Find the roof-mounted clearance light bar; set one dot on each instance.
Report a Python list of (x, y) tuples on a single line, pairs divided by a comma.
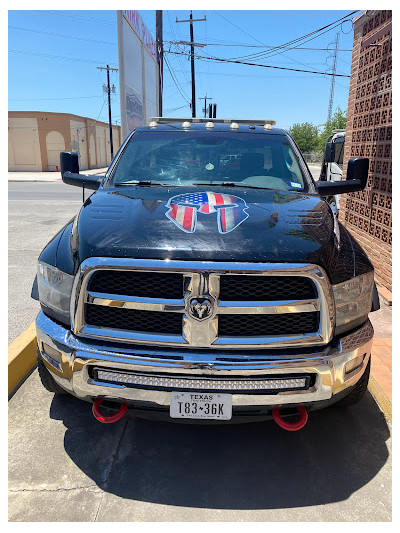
[(209, 122)]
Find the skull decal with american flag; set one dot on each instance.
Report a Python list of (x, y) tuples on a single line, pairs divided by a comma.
[(183, 210)]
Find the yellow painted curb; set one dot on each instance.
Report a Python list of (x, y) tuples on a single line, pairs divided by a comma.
[(21, 356), (382, 400)]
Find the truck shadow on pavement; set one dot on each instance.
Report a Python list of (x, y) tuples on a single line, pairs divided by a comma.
[(247, 466)]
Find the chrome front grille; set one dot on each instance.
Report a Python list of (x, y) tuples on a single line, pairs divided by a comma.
[(202, 304)]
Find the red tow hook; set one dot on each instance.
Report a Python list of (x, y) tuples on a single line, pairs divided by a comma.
[(111, 418), (295, 426)]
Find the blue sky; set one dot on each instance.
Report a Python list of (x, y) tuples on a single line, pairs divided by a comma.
[(53, 68)]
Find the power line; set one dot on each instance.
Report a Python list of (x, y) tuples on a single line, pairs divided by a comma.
[(261, 65), (284, 46), (61, 35), (186, 98), (240, 29), (264, 46), (175, 80), (46, 99), (64, 58), (175, 37), (66, 14)]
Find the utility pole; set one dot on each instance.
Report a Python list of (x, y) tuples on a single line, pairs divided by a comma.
[(160, 58), (333, 77), (205, 98), (108, 91), (191, 20)]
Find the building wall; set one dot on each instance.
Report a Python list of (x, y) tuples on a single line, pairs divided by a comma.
[(368, 214), (35, 140), (23, 144)]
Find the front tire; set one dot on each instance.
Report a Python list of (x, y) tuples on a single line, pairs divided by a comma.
[(360, 388), (46, 378)]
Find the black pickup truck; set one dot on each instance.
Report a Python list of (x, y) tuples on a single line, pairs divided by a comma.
[(197, 286)]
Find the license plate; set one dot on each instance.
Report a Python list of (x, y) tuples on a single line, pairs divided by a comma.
[(201, 405)]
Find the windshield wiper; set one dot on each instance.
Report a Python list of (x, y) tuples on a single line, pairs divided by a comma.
[(233, 184), (144, 183)]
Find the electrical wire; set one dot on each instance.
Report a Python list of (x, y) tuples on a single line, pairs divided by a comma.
[(66, 14), (174, 79), (64, 58), (61, 35), (237, 45), (265, 66), (284, 46), (175, 36), (46, 99)]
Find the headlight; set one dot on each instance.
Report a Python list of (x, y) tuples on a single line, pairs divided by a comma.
[(353, 301), (55, 289)]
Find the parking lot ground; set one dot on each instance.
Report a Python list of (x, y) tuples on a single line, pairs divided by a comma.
[(66, 466)]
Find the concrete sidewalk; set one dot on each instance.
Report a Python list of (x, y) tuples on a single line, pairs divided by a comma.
[(48, 176)]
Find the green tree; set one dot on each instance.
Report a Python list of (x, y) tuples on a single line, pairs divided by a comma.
[(337, 122), (305, 135)]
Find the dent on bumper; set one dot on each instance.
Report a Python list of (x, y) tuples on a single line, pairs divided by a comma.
[(77, 355)]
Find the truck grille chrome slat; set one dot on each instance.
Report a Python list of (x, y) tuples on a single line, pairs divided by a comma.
[(201, 304)]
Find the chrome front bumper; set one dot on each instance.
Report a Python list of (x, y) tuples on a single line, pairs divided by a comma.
[(77, 356)]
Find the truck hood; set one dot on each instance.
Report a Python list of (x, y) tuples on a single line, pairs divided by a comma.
[(221, 224)]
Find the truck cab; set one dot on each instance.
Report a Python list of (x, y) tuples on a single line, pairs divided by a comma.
[(191, 290)]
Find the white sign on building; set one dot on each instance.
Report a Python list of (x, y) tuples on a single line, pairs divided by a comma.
[(138, 79)]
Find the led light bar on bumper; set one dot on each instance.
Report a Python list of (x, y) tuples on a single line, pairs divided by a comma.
[(353, 301), (265, 385)]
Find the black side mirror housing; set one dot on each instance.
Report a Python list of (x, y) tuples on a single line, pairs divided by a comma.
[(329, 154), (70, 172), (356, 180), (69, 162)]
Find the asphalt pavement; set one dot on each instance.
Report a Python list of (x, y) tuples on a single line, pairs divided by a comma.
[(36, 213)]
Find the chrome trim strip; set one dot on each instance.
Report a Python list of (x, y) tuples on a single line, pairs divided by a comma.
[(136, 302), (200, 279), (268, 307), (126, 336)]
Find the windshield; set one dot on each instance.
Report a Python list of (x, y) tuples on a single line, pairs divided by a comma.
[(219, 158)]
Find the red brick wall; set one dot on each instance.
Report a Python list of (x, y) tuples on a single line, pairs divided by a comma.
[(368, 214)]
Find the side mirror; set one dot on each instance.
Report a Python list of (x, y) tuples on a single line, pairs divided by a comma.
[(69, 162), (356, 180), (329, 154), (70, 172), (357, 169)]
